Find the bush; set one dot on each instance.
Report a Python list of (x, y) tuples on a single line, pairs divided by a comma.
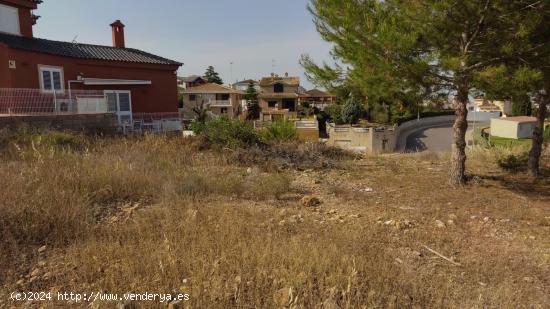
[(380, 114), (280, 130), (513, 162), (225, 132), (334, 112), (352, 111)]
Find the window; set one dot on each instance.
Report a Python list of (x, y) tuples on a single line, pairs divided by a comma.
[(278, 88), (223, 110), (272, 104), (192, 97), (225, 96), (51, 79), (9, 20)]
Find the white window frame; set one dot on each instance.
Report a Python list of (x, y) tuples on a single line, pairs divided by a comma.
[(18, 31), (118, 112), (48, 68)]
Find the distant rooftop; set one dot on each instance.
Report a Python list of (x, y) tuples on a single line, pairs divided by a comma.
[(287, 80), (210, 88)]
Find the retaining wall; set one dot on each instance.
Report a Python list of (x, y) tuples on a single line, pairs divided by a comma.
[(87, 123)]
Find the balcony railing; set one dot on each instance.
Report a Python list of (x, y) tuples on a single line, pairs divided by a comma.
[(35, 102)]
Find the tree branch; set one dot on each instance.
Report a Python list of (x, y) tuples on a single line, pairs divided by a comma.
[(473, 37)]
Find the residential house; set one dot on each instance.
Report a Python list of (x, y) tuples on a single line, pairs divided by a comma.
[(318, 98), (513, 127), (218, 100), (129, 80), (481, 104), (279, 97), (191, 81), (243, 85)]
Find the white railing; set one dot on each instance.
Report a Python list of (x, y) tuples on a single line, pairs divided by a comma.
[(15, 101), (154, 122)]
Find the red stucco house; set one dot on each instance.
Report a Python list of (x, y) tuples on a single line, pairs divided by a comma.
[(146, 81)]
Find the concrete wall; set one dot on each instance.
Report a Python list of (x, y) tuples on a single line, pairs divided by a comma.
[(307, 130), (512, 129), (504, 128), (369, 140), (87, 123), (482, 116)]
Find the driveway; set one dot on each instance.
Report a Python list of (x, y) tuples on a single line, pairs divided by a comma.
[(436, 138)]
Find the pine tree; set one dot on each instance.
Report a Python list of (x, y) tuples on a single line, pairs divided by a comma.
[(414, 48), (252, 104), (521, 105), (212, 76)]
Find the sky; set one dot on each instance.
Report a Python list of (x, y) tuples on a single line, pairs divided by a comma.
[(254, 35)]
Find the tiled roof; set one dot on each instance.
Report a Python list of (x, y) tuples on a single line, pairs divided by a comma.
[(189, 79), (289, 81), (278, 95), (210, 88), (82, 51), (318, 93)]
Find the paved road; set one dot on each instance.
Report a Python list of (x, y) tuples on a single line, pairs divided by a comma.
[(436, 138)]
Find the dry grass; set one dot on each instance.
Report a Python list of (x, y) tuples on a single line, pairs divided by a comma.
[(157, 215)]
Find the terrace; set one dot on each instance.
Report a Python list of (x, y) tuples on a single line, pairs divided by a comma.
[(33, 105)]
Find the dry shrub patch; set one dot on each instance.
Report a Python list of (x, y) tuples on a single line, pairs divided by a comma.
[(156, 214)]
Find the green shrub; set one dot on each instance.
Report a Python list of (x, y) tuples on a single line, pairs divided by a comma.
[(334, 112), (513, 162), (352, 111), (280, 130), (227, 133)]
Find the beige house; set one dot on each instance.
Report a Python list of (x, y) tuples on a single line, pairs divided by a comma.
[(279, 97), (481, 104), (318, 98), (219, 100), (513, 127)]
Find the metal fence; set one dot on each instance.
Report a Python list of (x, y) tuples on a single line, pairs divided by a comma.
[(36, 102)]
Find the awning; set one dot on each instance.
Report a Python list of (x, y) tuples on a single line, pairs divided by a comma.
[(104, 81)]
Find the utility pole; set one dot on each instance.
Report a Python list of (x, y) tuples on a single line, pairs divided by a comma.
[(230, 73)]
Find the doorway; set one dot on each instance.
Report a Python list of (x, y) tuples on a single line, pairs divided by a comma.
[(120, 102)]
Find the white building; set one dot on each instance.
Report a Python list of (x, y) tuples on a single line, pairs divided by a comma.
[(513, 127)]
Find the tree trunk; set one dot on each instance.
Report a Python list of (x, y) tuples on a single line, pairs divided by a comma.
[(538, 135), (458, 152)]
